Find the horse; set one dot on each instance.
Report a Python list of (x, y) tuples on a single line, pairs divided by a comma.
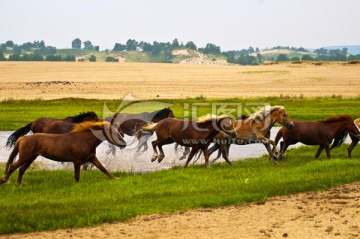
[(41, 124), (196, 134), (253, 129), (319, 133), (77, 146), (130, 124), (342, 136)]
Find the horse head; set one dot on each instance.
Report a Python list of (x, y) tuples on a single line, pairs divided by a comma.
[(226, 125), (162, 114), (281, 116)]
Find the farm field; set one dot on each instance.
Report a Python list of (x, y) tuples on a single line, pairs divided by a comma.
[(51, 80), (30, 90)]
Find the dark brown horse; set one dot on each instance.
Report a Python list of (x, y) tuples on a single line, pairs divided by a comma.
[(319, 133), (253, 129), (41, 125), (130, 124), (196, 134), (77, 146)]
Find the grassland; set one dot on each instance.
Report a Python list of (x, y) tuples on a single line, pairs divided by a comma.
[(17, 113), (49, 200)]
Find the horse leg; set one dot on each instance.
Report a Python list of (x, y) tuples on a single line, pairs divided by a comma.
[(186, 152), (77, 167), (97, 164), (352, 146), (327, 150), (271, 153), (18, 163), (23, 168), (320, 149), (191, 155), (162, 154), (111, 150), (215, 147), (155, 155), (225, 148), (206, 156)]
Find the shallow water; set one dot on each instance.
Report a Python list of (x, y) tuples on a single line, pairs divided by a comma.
[(127, 159)]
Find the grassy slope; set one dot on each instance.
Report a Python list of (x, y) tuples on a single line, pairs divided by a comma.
[(50, 200)]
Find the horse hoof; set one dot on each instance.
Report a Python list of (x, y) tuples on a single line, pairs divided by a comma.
[(154, 158), (160, 159)]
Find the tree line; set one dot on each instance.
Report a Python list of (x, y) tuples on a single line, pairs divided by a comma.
[(250, 56)]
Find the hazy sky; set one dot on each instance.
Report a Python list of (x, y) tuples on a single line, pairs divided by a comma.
[(230, 24)]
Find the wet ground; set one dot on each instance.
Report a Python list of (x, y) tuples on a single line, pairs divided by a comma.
[(128, 160)]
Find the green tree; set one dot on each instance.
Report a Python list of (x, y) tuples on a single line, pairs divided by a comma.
[(92, 58), (76, 44), (88, 45), (131, 45), (119, 47), (111, 59), (307, 58), (175, 43), (211, 49), (191, 45), (9, 43), (2, 57), (282, 57)]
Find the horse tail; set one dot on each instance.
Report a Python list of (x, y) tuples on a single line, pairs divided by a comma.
[(338, 140), (12, 155), (17, 134), (148, 128), (279, 135)]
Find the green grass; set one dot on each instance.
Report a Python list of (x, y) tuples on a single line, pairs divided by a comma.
[(17, 113), (49, 200)]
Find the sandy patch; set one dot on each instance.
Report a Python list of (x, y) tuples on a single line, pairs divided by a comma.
[(329, 214)]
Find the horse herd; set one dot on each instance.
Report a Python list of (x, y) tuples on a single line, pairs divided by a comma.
[(74, 139)]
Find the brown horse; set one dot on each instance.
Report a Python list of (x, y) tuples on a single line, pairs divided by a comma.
[(253, 129), (341, 138), (196, 134), (42, 124), (130, 124), (319, 133), (77, 146)]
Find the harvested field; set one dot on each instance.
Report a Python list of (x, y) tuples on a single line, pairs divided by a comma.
[(52, 80)]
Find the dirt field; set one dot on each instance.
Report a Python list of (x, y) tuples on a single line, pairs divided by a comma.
[(49, 80), (330, 214)]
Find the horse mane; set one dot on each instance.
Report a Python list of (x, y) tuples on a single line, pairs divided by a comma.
[(265, 111), (79, 118), (242, 117), (210, 117), (337, 118), (89, 125), (163, 113)]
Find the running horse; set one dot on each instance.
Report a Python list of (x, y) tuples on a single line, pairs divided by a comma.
[(319, 133), (253, 129), (77, 146), (130, 124), (196, 134), (42, 125), (342, 136)]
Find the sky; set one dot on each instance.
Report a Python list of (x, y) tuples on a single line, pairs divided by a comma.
[(230, 24)]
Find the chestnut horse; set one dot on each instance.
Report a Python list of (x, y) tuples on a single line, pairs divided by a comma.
[(130, 124), (253, 129), (41, 124), (341, 138), (319, 133), (77, 146), (196, 134)]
